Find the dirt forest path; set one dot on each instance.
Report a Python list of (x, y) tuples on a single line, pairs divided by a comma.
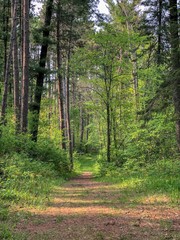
[(83, 209)]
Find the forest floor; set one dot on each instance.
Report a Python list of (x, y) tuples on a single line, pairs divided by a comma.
[(86, 209)]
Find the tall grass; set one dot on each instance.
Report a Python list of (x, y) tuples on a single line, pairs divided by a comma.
[(26, 181), (158, 178), (85, 163)]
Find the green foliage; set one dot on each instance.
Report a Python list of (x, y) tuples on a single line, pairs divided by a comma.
[(4, 213), (86, 163), (28, 170), (45, 150), (160, 177), (5, 232), (26, 180)]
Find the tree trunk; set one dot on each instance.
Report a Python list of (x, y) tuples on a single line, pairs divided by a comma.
[(60, 82), (40, 75), (108, 130), (7, 71), (87, 131), (16, 72), (25, 67), (175, 64), (68, 121), (81, 127), (6, 6), (68, 115), (135, 76), (159, 58)]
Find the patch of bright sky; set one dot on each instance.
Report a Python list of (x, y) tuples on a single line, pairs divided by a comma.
[(103, 7)]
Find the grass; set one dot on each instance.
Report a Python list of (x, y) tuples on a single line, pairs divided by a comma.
[(25, 182), (31, 183), (86, 163), (155, 183)]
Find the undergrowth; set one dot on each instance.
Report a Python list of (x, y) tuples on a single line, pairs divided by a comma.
[(139, 180), (86, 163), (28, 173), (26, 181)]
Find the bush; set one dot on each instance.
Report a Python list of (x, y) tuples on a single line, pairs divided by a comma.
[(44, 150), (161, 176), (26, 180)]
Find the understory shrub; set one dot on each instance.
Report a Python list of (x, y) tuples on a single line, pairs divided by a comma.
[(44, 150), (26, 180), (158, 177)]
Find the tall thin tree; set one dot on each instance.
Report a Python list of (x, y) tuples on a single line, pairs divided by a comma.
[(60, 80), (25, 67), (175, 63), (41, 71), (16, 70), (7, 70)]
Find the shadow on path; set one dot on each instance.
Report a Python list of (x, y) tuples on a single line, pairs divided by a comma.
[(85, 209)]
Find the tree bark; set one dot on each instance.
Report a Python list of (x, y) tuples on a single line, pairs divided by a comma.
[(25, 67), (87, 131), (60, 82), (7, 71), (68, 121), (81, 127), (159, 58), (40, 75), (68, 116), (108, 83), (6, 16), (108, 130), (16, 72), (175, 64)]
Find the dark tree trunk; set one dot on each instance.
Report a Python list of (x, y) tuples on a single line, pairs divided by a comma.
[(6, 16), (108, 84), (68, 120), (108, 130), (175, 64), (7, 71), (159, 58), (16, 72), (81, 128), (40, 75), (25, 67), (60, 82), (87, 131)]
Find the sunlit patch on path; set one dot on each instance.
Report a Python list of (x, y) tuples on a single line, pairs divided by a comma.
[(86, 209)]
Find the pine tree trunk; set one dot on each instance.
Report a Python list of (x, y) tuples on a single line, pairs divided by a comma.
[(7, 71), (81, 127), (108, 131), (68, 120), (68, 115), (25, 67), (6, 16), (175, 64), (60, 82), (40, 76), (16, 72), (87, 131), (159, 58)]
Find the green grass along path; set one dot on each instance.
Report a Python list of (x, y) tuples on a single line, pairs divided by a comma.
[(87, 208)]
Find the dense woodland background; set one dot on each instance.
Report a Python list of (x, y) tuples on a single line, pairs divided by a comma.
[(75, 82)]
